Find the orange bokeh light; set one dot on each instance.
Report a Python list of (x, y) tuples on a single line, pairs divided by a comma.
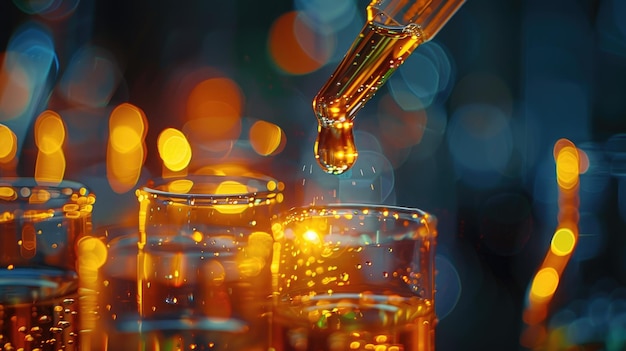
[(544, 283), (174, 149), (127, 127), (8, 144), (126, 147), (216, 98), (213, 114), (234, 188), (563, 242), (49, 138), (547, 278), (285, 48), (267, 138), (567, 167)]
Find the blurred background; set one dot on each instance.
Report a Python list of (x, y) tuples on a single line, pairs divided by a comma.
[(113, 93)]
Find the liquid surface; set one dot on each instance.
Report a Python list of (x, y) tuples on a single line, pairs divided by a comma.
[(376, 53)]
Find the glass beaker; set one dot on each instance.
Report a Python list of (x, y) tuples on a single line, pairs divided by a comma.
[(354, 277), (41, 225), (204, 260)]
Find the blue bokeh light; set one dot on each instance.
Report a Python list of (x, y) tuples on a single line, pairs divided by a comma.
[(480, 142)]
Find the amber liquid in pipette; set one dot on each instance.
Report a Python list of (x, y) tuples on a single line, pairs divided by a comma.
[(377, 52)]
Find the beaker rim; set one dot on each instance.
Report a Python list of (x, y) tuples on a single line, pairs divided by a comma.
[(16, 189), (360, 208), (203, 186)]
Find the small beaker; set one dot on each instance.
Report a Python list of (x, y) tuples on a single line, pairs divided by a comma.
[(41, 225), (354, 277), (203, 265)]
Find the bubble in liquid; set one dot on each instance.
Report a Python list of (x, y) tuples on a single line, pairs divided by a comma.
[(171, 300)]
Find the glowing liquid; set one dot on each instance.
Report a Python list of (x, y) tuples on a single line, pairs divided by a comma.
[(347, 324), (39, 307), (377, 52), (216, 288), (48, 325), (352, 298)]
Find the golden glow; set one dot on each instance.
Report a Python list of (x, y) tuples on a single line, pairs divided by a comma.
[(132, 119), (266, 138), (92, 253), (126, 147), (50, 168), (127, 128), (7, 193), (563, 242), (174, 149), (49, 138), (39, 197), (231, 187), (277, 232), (545, 283), (8, 144), (311, 236), (49, 132), (250, 266), (124, 138), (259, 245), (567, 167), (180, 186), (275, 265), (123, 170), (569, 162), (197, 236), (381, 339)]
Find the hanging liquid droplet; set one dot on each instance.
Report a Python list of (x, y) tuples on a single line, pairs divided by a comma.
[(335, 150), (374, 56)]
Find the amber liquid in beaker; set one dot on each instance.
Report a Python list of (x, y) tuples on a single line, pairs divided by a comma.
[(377, 52)]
